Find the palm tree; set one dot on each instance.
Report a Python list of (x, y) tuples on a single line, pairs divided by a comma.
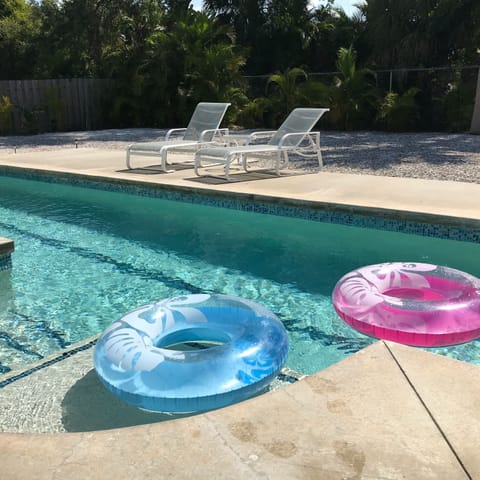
[(286, 90), (353, 96), (211, 60), (197, 60)]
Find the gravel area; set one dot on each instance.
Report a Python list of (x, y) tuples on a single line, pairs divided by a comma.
[(440, 156)]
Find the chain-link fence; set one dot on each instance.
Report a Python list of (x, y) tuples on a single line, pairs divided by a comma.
[(411, 98)]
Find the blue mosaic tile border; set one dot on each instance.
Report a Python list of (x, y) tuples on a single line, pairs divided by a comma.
[(5, 262), (404, 222), (61, 356)]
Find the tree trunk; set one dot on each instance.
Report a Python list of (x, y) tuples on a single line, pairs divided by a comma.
[(475, 127)]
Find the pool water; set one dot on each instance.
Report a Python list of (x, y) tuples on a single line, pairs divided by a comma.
[(84, 257)]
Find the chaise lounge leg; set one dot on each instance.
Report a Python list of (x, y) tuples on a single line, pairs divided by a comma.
[(228, 160), (197, 165), (163, 154), (319, 151), (129, 166)]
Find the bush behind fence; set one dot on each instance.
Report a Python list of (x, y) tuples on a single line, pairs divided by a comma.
[(441, 98), (445, 100)]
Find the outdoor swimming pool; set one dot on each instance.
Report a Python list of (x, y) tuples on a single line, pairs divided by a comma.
[(84, 257)]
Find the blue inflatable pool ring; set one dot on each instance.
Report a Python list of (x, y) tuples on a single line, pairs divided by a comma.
[(139, 358)]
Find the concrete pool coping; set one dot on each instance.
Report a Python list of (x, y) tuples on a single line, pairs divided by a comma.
[(389, 411)]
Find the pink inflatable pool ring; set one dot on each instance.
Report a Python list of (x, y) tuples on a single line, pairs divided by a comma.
[(412, 303)]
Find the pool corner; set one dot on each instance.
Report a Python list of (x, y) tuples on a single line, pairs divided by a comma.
[(7, 247)]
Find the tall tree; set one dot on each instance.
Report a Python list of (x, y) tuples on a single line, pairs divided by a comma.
[(275, 32), (19, 27), (331, 29), (428, 32), (78, 36), (195, 59), (287, 33), (248, 19)]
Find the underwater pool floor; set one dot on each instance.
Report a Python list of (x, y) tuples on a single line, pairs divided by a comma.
[(388, 411), (62, 393)]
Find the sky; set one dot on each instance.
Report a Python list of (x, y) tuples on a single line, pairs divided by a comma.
[(347, 5)]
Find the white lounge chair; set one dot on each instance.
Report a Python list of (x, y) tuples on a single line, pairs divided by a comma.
[(201, 130), (293, 136)]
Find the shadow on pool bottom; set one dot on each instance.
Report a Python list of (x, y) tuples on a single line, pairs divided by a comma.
[(88, 406)]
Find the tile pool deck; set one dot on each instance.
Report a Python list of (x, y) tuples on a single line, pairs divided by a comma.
[(387, 412)]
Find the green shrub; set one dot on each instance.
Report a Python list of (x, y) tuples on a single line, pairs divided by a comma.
[(399, 112), (458, 107), (54, 108), (6, 112)]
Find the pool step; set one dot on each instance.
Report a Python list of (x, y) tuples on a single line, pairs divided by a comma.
[(6, 249), (24, 340)]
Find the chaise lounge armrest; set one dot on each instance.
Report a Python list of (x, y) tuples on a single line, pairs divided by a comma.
[(315, 136), (208, 135), (175, 131)]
